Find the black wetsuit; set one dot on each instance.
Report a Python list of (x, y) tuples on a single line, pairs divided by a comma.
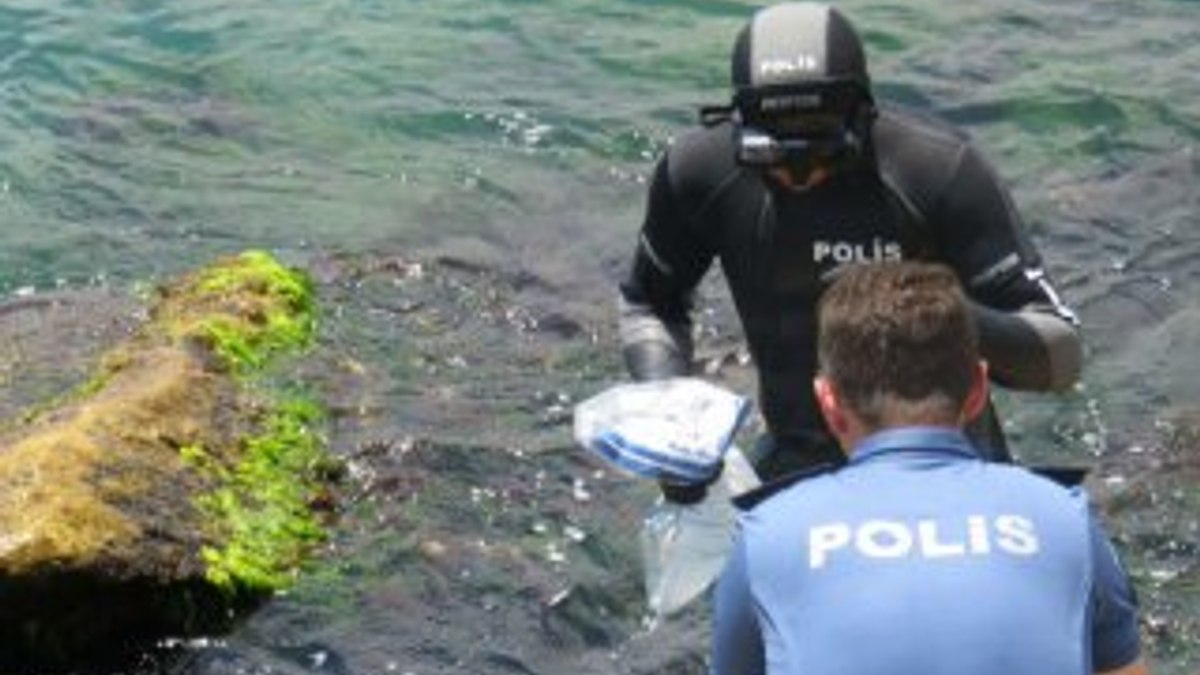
[(922, 191)]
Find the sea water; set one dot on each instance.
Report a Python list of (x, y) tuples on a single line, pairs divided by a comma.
[(513, 138)]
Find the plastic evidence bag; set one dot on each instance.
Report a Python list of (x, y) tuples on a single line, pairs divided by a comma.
[(677, 430), (684, 546)]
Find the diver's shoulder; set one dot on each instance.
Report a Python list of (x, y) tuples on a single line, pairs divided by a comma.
[(900, 128), (701, 160), (702, 145)]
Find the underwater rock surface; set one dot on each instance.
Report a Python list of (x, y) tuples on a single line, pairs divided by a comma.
[(471, 535), (168, 490)]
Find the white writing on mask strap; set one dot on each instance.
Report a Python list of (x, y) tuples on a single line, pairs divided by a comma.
[(928, 539)]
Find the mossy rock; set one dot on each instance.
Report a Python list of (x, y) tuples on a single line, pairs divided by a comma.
[(172, 489)]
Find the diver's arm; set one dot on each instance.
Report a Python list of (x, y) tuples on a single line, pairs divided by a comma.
[(1027, 334), (1033, 348), (653, 349), (655, 300)]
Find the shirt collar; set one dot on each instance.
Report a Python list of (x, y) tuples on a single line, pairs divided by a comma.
[(917, 440)]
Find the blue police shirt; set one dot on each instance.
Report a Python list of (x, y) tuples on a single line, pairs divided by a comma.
[(919, 557)]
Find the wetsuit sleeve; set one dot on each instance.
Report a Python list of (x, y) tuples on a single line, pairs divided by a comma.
[(1027, 334), (737, 647), (1033, 348), (655, 300), (1114, 625)]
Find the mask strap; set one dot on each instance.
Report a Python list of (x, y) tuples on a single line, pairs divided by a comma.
[(712, 115)]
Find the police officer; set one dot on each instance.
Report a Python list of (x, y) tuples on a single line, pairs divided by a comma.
[(916, 556), (804, 172)]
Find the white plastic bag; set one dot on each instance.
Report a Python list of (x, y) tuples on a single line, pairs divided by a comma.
[(684, 546), (678, 431)]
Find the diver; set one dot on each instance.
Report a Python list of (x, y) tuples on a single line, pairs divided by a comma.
[(801, 173)]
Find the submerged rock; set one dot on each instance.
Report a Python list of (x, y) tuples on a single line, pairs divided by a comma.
[(169, 491)]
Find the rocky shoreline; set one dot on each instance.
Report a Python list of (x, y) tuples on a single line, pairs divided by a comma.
[(166, 492)]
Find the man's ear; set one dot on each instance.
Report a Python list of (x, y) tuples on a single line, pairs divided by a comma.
[(830, 403), (977, 395)]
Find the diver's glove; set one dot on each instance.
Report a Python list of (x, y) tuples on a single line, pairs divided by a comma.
[(653, 360), (688, 493)]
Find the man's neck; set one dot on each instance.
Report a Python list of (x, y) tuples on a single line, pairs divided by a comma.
[(861, 436), (787, 179)]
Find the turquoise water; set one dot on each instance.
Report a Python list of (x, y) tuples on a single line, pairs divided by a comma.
[(138, 139)]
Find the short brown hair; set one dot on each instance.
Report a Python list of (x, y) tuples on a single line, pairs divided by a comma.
[(898, 339)]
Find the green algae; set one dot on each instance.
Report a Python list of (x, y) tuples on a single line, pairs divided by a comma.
[(246, 309), (263, 500), (265, 469)]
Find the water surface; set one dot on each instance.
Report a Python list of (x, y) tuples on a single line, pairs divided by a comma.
[(466, 179)]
